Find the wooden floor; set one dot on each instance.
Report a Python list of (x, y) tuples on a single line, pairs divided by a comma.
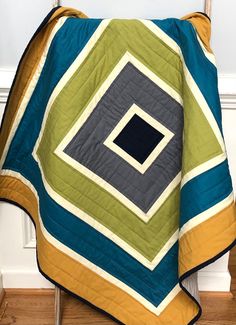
[(36, 307)]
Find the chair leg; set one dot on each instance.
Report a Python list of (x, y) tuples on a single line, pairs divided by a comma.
[(57, 306)]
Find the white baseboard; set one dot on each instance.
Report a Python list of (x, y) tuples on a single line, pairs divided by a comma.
[(6, 79), (207, 281), (24, 279), (2, 292), (214, 281)]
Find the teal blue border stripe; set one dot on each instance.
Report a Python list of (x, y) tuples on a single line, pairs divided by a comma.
[(204, 191), (203, 71)]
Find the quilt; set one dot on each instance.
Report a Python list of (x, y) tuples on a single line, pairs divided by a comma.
[(112, 142)]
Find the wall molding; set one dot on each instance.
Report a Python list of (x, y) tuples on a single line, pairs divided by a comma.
[(226, 86), (214, 281), (25, 278), (227, 90), (2, 292), (6, 79)]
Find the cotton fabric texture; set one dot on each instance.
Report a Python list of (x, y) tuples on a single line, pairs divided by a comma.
[(112, 142)]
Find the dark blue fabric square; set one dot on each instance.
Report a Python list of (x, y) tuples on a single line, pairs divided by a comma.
[(138, 138)]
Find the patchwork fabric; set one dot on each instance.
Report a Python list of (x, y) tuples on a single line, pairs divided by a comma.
[(100, 136), (115, 149)]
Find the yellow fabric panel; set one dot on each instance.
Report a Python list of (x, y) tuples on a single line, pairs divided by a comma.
[(203, 27), (203, 249), (101, 293)]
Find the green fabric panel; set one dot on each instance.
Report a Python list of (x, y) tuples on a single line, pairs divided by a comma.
[(149, 238), (200, 142)]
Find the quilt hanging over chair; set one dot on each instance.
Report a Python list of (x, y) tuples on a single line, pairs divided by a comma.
[(112, 142)]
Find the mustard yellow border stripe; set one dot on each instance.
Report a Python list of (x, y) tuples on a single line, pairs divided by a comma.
[(83, 282), (202, 25), (207, 239)]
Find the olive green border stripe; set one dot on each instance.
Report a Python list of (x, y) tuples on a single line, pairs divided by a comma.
[(200, 143)]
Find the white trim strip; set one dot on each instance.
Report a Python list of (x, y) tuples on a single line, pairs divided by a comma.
[(209, 56), (202, 168)]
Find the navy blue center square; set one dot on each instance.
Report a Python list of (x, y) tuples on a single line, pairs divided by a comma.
[(138, 138)]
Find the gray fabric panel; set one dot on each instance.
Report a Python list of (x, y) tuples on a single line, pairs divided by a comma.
[(87, 147)]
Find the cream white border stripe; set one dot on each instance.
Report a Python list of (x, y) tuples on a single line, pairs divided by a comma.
[(134, 109), (162, 35), (202, 168), (31, 88), (209, 56), (96, 269), (206, 215), (165, 194)]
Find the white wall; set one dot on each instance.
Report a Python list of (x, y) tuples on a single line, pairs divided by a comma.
[(18, 20)]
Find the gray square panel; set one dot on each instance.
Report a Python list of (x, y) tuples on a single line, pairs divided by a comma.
[(129, 87)]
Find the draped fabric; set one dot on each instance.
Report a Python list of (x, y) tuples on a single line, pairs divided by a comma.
[(112, 142)]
